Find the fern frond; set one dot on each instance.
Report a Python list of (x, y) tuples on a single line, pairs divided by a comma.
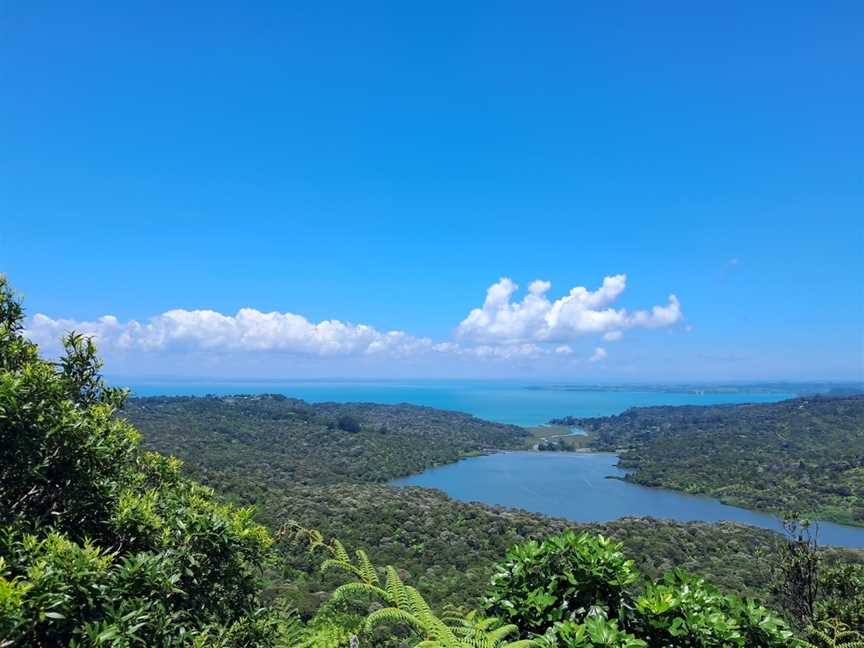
[(354, 588), (393, 615), (499, 634), (338, 551), (366, 568), (397, 596), (334, 563), (834, 634), (418, 604)]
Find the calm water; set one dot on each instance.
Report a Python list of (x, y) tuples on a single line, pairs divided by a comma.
[(506, 402), (575, 486)]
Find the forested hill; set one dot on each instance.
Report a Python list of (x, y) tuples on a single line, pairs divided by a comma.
[(804, 454), (272, 438), (294, 462)]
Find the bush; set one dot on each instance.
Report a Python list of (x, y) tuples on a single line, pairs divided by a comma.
[(563, 578), (99, 541), (579, 590), (349, 424)]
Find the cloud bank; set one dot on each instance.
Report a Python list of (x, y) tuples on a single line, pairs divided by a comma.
[(580, 312), (502, 329), (249, 330)]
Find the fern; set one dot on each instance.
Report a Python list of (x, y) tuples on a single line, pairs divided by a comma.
[(834, 634), (404, 604)]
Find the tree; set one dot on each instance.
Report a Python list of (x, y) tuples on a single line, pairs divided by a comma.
[(348, 424), (101, 542), (797, 567)]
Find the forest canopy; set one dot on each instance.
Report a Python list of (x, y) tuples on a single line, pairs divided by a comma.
[(803, 454)]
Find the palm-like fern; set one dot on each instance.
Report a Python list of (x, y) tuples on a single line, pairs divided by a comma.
[(834, 634), (406, 606)]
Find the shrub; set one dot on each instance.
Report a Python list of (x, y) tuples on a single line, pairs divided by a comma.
[(578, 590), (99, 541), (562, 578), (348, 424)]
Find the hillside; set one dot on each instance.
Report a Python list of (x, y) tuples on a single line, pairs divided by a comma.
[(293, 461), (273, 438), (803, 454), (450, 547)]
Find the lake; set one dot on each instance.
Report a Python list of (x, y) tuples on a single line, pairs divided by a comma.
[(576, 486), (520, 403)]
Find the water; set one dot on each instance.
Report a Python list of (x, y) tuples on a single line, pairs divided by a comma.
[(575, 486), (566, 485), (502, 401)]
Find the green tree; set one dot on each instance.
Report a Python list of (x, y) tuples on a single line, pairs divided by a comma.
[(101, 543)]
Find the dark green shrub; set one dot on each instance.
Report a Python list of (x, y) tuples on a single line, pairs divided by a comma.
[(101, 543), (594, 631), (684, 611), (348, 424), (562, 578), (577, 590)]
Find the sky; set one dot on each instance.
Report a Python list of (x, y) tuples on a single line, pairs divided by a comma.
[(587, 191)]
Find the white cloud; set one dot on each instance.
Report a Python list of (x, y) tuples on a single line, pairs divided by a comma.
[(506, 352), (501, 330), (248, 330), (598, 355), (580, 312)]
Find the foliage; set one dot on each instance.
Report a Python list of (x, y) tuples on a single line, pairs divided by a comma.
[(255, 451), (349, 424), (797, 567), (101, 543), (449, 548), (841, 590), (580, 590), (405, 607), (834, 634), (680, 610), (563, 578), (804, 454), (593, 632), (812, 590), (271, 438)]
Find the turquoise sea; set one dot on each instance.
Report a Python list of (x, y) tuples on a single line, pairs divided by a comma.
[(573, 486), (521, 403)]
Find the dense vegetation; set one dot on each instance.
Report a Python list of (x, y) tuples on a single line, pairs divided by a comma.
[(273, 438), (104, 543), (236, 446), (101, 543), (804, 454), (449, 548)]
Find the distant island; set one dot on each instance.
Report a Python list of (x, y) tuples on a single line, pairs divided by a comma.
[(797, 389)]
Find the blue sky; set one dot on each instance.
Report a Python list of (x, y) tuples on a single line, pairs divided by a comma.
[(384, 164)]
